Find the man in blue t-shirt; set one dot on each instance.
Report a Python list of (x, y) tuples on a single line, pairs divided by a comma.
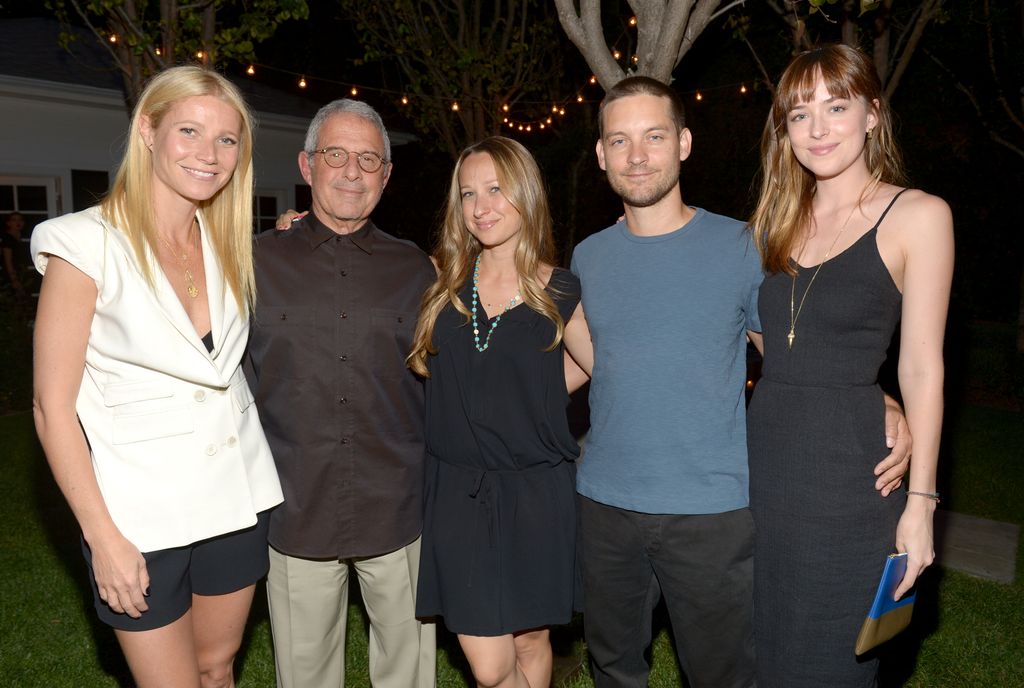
[(669, 298)]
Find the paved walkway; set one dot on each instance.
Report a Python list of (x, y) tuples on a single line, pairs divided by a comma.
[(977, 546)]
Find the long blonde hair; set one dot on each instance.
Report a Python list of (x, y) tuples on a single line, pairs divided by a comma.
[(787, 187), (520, 181), (227, 215)]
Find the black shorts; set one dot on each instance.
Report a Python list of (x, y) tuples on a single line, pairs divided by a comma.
[(215, 566)]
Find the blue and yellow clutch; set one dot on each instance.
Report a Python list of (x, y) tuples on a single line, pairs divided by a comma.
[(887, 616)]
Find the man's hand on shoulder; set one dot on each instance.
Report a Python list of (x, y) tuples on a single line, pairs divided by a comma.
[(285, 219)]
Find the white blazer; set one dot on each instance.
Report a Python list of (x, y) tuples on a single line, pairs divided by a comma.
[(175, 439)]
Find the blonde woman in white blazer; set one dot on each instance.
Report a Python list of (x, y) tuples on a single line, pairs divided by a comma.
[(142, 321)]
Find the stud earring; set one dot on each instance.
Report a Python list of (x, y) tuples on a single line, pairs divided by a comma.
[(871, 133)]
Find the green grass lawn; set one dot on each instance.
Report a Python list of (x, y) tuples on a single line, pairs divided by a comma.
[(966, 632)]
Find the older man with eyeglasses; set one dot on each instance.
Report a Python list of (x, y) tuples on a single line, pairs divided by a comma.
[(337, 300)]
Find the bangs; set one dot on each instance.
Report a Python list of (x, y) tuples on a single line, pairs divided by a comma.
[(842, 78)]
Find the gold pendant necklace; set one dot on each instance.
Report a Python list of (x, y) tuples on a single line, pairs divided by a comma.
[(190, 283), (794, 310)]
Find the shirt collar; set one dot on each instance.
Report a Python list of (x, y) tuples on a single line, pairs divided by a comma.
[(317, 233)]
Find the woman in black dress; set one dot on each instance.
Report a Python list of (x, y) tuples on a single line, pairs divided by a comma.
[(848, 254), (499, 537)]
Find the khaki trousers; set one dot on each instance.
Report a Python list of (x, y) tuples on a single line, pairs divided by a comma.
[(308, 601)]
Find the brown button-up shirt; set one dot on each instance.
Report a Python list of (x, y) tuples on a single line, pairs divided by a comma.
[(333, 323)]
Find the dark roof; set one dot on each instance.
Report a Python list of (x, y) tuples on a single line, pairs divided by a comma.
[(30, 48)]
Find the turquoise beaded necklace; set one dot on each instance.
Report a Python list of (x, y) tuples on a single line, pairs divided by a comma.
[(476, 326)]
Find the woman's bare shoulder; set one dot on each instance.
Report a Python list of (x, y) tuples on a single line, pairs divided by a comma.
[(919, 214)]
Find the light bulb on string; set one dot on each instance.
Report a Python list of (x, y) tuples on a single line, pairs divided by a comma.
[(200, 54), (504, 108), (250, 71), (302, 82), (632, 21), (561, 111), (743, 88), (113, 38), (405, 100), (593, 80), (455, 106), (616, 54), (579, 99), (354, 91)]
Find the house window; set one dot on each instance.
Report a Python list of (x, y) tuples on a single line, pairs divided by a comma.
[(34, 197), (266, 206)]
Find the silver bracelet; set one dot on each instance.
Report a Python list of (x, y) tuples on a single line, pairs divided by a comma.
[(928, 495)]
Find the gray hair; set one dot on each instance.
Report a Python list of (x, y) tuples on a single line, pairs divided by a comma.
[(346, 105)]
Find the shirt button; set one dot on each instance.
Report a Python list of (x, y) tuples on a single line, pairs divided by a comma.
[(211, 449), (343, 273), (401, 319), (344, 440), (200, 395), (343, 400), (343, 357), (232, 441), (343, 315), (284, 316)]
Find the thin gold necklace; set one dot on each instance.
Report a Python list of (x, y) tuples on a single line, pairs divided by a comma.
[(190, 283), (794, 310)]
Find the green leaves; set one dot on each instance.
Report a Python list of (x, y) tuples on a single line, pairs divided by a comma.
[(222, 29)]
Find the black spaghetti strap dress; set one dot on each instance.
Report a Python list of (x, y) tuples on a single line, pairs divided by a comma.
[(499, 532), (815, 430)]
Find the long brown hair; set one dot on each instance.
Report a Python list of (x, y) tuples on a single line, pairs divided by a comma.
[(227, 215), (520, 182), (787, 187)]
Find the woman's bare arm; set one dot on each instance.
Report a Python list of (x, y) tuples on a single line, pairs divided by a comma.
[(67, 303), (926, 241)]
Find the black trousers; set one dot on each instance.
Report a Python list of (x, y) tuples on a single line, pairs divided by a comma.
[(702, 564)]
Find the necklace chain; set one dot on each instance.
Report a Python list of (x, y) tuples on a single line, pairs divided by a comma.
[(473, 309), (794, 310), (190, 283)]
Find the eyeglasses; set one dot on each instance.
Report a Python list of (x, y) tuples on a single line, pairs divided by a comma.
[(338, 157)]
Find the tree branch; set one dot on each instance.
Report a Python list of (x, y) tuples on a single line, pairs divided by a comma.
[(928, 11), (586, 33)]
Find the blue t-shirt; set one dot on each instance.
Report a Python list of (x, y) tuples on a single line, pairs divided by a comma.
[(668, 316)]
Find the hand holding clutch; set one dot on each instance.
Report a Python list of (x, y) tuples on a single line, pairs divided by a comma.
[(887, 616)]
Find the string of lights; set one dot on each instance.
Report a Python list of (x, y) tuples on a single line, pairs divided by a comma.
[(558, 107)]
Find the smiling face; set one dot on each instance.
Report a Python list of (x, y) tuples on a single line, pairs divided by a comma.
[(194, 147), (344, 197), (488, 214), (641, 148), (828, 133)]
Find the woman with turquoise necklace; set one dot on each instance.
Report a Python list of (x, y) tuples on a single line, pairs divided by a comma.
[(499, 535)]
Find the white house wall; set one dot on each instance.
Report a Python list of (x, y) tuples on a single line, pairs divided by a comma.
[(48, 129)]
